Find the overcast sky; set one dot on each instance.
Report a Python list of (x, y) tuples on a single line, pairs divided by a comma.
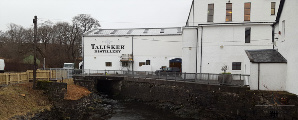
[(110, 13)]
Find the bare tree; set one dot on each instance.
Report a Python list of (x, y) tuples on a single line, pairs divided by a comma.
[(45, 36), (85, 22), (58, 43), (81, 24), (16, 40)]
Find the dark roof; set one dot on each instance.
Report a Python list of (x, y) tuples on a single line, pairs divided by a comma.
[(265, 56), (280, 8)]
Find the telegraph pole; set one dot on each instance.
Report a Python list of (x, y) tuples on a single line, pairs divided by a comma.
[(35, 41)]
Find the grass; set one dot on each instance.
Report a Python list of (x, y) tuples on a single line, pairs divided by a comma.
[(20, 99), (75, 92)]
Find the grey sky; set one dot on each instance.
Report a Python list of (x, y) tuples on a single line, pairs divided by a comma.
[(110, 13)]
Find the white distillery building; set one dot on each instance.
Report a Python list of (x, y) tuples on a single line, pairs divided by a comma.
[(286, 41), (218, 32), (144, 49)]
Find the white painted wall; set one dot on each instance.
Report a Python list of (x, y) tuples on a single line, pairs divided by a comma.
[(189, 50), (260, 11), (287, 42), (223, 45), (158, 49), (96, 61), (253, 78), (230, 36), (272, 76)]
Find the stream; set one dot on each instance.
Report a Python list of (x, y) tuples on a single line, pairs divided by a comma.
[(128, 110)]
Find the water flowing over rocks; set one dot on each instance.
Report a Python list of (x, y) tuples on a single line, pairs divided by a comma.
[(91, 107)]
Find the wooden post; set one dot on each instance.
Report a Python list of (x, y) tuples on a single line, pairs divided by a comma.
[(18, 74), (28, 75), (51, 73), (7, 78)]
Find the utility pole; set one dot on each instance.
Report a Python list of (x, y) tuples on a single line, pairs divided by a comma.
[(132, 55), (35, 41)]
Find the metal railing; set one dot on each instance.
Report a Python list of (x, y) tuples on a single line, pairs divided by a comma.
[(201, 78), (60, 73)]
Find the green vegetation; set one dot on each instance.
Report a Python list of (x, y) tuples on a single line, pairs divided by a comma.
[(30, 60)]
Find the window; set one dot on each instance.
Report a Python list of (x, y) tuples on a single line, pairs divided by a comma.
[(141, 63), (108, 64), (247, 11), (147, 62), (236, 65), (124, 63), (272, 8), (210, 12), (229, 12), (247, 34)]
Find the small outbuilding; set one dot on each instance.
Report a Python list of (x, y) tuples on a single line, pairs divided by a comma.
[(268, 70)]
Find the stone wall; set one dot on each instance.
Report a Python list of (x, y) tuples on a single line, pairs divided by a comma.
[(55, 91), (89, 84), (211, 101)]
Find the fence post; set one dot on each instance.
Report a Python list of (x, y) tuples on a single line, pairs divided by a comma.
[(18, 77), (7, 78), (56, 73), (28, 75), (51, 73), (159, 75), (175, 76), (166, 76), (196, 77), (208, 76), (49, 76), (184, 76), (152, 74)]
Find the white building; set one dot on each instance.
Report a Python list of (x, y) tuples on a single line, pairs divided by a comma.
[(255, 37), (267, 70), (218, 32), (286, 40), (145, 49)]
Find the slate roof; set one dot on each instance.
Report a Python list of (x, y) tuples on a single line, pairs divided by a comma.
[(265, 56), (135, 32)]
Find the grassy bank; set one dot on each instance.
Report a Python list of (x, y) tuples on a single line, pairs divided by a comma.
[(20, 99)]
